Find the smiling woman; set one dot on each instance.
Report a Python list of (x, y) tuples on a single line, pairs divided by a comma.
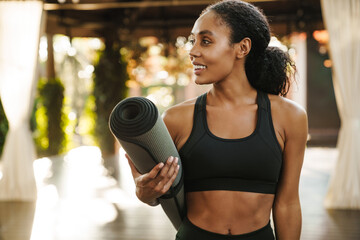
[(241, 144)]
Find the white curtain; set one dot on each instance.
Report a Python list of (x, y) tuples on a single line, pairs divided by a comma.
[(298, 90), (20, 23), (342, 19)]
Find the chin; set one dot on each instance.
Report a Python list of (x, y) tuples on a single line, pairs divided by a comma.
[(199, 81)]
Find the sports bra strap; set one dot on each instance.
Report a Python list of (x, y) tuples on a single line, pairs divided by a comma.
[(198, 129), (266, 128), (263, 100), (200, 104)]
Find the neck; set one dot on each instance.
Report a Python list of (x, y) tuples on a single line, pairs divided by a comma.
[(233, 91)]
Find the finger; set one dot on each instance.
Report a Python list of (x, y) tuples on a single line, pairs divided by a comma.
[(164, 172), (171, 180), (161, 177), (172, 168), (154, 172)]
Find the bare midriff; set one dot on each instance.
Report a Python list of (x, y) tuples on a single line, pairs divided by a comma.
[(229, 212)]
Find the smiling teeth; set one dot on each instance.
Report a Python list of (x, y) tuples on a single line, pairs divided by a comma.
[(199, 67)]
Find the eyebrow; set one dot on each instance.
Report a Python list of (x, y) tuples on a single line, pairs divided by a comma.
[(203, 32)]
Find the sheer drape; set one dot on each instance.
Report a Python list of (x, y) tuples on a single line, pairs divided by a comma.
[(342, 19), (19, 39), (298, 90)]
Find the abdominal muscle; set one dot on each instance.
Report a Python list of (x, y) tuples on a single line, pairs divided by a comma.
[(229, 212)]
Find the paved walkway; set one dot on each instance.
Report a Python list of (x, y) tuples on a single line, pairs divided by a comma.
[(77, 201)]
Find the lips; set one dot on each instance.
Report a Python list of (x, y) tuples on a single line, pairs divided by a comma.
[(198, 68)]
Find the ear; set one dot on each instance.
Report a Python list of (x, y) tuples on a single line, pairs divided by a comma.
[(243, 48)]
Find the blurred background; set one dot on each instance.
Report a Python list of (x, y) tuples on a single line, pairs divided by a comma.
[(65, 64)]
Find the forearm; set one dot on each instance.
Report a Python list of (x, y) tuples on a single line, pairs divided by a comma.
[(287, 220)]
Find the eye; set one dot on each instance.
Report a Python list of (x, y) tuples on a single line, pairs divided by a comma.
[(205, 41), (191, 41)]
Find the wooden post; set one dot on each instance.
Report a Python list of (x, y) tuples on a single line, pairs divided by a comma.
[(50, 66)]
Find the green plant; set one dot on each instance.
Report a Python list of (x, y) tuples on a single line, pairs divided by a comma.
[(4, 127), (110, 75), (50, 120)]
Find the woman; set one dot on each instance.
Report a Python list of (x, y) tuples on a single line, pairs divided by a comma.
[(241, 144)]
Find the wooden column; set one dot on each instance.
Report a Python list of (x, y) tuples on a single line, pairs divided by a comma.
[(50, 64)]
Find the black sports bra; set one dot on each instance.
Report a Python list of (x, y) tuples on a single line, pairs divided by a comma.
[(250, 164)]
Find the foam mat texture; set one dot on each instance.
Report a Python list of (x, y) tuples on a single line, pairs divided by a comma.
[(139, 128)]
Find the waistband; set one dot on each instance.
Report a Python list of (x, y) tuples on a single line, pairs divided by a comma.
[(263, 233)]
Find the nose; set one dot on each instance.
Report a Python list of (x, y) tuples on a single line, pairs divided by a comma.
[(194, 52)]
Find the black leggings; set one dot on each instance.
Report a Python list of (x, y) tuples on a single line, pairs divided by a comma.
[(189, 231)]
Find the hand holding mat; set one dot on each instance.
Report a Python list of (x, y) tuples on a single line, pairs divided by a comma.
[(137, 125)]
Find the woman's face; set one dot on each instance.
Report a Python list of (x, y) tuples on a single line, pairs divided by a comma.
[(212, 55)]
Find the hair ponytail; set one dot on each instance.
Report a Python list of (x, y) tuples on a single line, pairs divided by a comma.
[(268, 69), (271, 71)]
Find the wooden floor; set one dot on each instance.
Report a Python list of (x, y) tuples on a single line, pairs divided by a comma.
[(77, 201)]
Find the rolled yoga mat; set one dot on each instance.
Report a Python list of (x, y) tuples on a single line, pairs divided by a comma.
[(137, 125)]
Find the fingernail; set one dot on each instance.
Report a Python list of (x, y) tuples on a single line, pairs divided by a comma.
[(171, 159), (161, 165), (176, 160)]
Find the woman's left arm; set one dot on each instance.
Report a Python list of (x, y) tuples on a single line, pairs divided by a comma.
[(286, 208)]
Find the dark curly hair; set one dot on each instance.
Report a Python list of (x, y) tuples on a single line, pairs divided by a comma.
[(268, 69)]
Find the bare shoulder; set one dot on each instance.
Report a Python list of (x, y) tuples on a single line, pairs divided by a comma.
[(179, 110), (287, 107), (289, 115), (179, 120)]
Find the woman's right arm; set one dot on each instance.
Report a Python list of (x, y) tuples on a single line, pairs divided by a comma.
[(152, 185)]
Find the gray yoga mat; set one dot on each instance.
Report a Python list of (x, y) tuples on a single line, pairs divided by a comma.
[(137, 125)]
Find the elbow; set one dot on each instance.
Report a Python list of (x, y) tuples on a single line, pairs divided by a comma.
[(289, 209)]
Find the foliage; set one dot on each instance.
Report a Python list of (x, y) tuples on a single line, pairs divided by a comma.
[(109, 88), (161, 70), (87, 122), (4, 127), (50, 119)]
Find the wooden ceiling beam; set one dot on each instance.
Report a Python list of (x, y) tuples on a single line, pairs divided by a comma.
[(139, 4)]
